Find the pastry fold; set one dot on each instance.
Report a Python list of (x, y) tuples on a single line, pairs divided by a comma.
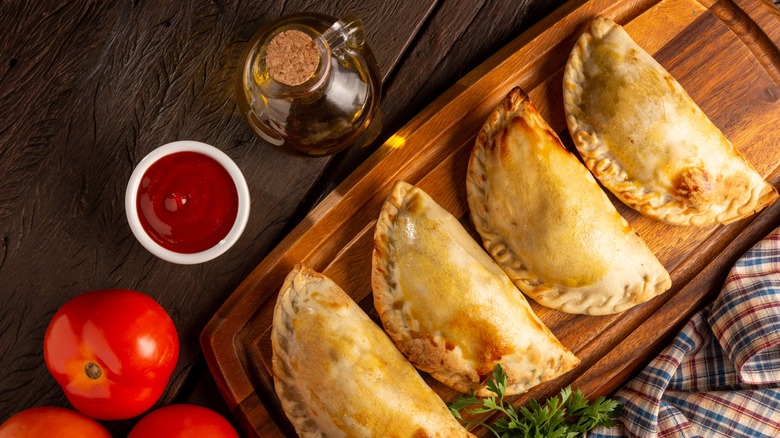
[(647, 141), (548, 224), (338, 375), (449, 308)]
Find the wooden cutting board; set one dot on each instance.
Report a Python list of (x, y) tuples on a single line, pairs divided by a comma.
[(724, 53)]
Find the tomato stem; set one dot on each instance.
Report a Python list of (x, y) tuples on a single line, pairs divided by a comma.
[(93, 370)]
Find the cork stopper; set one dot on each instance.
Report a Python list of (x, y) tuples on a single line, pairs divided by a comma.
[(292, 57)]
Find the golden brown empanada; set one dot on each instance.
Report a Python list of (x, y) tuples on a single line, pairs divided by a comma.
[(645, 139), (449, 308), (548, 224), (337, 374)]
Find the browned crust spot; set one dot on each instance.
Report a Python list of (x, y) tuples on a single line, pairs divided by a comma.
[(695, 186)]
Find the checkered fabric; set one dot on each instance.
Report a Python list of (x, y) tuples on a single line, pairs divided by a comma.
[(721, 375)]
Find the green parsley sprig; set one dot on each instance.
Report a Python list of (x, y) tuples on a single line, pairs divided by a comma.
[(569, 416)]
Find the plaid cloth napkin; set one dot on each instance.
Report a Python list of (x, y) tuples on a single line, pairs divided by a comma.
[(721, 375)]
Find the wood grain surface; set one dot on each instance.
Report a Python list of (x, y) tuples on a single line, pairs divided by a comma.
[(88, 88), (725, 53)]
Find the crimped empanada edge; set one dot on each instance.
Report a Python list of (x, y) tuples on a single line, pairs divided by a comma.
[(476, 195), (284, 384), (392, 318), (609, 172), (380, 268), (596, 155), (566, 300)]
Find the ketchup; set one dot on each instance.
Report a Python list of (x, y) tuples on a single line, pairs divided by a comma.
[(187, 202)]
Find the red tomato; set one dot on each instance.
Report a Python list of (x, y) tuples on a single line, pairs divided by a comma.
[(183, 421), (112, 351), (51, 422)]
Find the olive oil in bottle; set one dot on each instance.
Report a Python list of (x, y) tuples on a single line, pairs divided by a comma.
[(309, 84)]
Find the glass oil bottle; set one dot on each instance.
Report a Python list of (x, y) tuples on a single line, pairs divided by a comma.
[(309, 83)]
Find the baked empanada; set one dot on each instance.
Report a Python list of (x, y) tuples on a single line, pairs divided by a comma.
[(449, 308), (644, 138), (337, 374), (548, 224)]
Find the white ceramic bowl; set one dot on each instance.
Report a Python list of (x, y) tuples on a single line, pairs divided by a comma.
[(131, 209)]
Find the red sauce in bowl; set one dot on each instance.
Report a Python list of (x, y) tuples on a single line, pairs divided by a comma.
[(187, 202)]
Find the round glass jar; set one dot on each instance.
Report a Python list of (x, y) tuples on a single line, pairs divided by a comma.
[(308, 83)]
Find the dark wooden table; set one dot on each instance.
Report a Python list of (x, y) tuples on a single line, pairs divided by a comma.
[(87, 89)]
